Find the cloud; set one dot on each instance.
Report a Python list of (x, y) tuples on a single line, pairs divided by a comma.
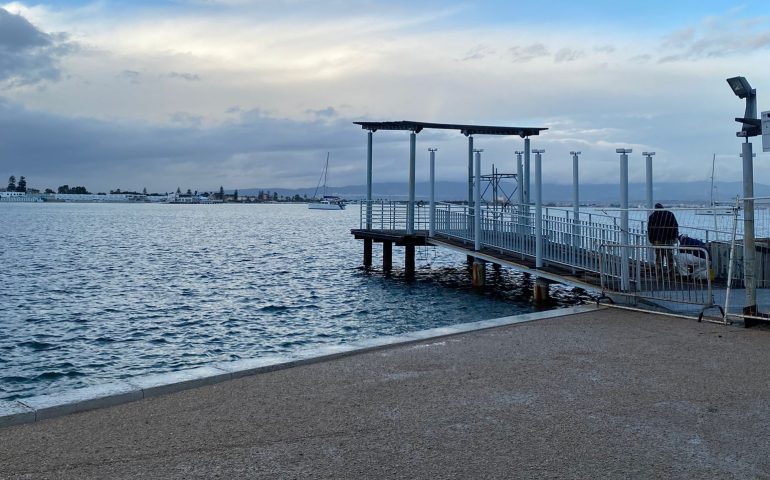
[(717, 37), (132, 75), (568, 55), (190, 77), (28, 55), (604, 49), (327, 112), (525, 54), (478, 52)]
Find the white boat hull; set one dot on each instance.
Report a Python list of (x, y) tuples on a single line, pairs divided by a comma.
[(326, 206)]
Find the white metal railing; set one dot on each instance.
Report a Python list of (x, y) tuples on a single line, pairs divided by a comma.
[(586, 243), (391, 215), (676, 274)]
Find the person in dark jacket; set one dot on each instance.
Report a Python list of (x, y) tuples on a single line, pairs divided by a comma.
[(663, 230)]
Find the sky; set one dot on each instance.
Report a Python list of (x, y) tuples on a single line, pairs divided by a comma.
[(254, 93)]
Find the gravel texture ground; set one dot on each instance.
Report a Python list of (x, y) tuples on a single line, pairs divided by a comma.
[(610, 393)]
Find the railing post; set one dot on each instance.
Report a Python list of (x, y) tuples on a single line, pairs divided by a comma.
[(477, 203), (538, 207), (432, 217)]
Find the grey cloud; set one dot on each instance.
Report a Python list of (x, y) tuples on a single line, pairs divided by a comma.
[(720, 38), (644, 58), (252, 150), (327, 112), (679, 38), (604, 49), (478, 52), (27, 55), (132, 76), (190, 77), (527, 53), (568, 55)]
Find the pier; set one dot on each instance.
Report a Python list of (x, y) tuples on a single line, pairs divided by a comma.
[(605, 251)]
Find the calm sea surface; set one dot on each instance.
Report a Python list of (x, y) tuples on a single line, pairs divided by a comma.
[(96, 292)]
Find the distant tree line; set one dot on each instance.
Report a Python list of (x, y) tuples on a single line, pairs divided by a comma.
[(67, 189), (14, 187)]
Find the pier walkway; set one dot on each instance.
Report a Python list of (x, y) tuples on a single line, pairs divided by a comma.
[(608, 393)]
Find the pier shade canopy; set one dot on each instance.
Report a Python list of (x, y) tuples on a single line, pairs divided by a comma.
[(416, 127)]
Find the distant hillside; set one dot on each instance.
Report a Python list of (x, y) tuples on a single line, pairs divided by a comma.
[(684, 192)]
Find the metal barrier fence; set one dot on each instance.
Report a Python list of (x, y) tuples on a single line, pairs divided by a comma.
[(676, 274)]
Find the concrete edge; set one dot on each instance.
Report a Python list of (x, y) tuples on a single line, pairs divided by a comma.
[(43, 407)]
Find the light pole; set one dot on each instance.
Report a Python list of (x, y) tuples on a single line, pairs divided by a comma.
[(750, 127)]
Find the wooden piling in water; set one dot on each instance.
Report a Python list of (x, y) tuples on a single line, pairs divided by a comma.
[(409, 261), (368, 253), (387, 256)]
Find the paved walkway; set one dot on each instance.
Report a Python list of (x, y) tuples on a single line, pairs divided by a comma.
[(601, 394)]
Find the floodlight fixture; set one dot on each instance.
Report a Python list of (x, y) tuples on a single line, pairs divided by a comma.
[(478, 150), (740, 86), (752, 126), (648, 154), (519, 152), (575, 153), (433, 149), (538, 151), (623, 150)]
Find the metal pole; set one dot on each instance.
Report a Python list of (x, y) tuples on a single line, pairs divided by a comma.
[(477, 202), (410, 206), (432, 224), (520, 178), (526, 170), (624, 271), (538, 208), (369, 180), (649, 178), (748, 229), (575, 209), (470, 175)]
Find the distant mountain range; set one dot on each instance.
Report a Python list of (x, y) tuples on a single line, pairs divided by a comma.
[(667, 193)]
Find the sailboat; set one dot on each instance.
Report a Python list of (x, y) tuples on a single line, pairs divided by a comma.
[(327, 202), (713, 208)]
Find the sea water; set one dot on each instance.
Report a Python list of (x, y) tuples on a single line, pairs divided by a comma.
[(97, 292)]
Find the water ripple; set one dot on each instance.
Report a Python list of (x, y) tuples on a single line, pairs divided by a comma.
[(137, 289)]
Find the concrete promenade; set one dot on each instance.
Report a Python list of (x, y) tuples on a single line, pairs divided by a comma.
[(608, 394)]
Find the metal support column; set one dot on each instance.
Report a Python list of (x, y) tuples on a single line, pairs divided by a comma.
[(519, 179), (538, 208), (432, 215), (575, 210), (526, 170), (410, 206), (477, 202), (470, 175), (648, 156), (748, 231), (624, 237), (369, 180)]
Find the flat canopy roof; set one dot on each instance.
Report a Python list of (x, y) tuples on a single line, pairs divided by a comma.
[(464, 129)]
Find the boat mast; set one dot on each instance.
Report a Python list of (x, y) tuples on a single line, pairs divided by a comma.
[(326, 171), (711, 193)]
